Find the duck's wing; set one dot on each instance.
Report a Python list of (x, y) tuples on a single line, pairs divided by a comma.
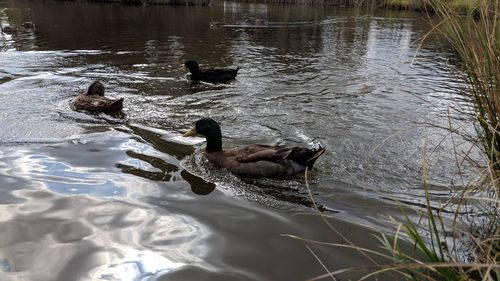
[(271, 161), (266, 160), (219, 75), (97, 104), (264, 168), (263, 161), (106, 105), (225, 71), (259, 152)]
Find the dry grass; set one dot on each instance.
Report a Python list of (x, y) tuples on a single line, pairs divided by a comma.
[(476, 41), (475, 38), (432, 256)]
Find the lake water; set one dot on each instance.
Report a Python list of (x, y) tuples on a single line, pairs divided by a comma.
[(92, 197)]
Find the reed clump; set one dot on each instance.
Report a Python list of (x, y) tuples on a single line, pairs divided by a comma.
[(461, 7), (476, 41), (467, 250), (401, 4)]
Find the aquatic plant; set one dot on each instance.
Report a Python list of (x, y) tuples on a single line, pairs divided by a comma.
[(433, 248), (476, 41), (459, 6), (461, 250)]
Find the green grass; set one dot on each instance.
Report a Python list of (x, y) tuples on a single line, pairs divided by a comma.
[(431, 255), (439, 260), (463, 6), (401, 4), (460, 6)]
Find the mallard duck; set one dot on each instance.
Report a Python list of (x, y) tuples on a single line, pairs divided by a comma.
[(256, 160), (9, 29), (28, 25), (94, 101), (210, 75)]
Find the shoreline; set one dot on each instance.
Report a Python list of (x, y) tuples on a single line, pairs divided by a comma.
[(152, 2), (462, 7)]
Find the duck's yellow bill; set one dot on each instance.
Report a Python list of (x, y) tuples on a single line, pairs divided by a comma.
[(191, 132)]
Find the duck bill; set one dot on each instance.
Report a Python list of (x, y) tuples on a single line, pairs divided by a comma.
[(191, 132)]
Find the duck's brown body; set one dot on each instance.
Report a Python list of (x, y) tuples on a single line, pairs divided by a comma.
[(95, 101), (265, 160), (257, 160), (97, 104)]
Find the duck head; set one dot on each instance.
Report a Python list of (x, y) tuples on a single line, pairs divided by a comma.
[(192, 66), (208, 128), (96, 89), (28, 25)]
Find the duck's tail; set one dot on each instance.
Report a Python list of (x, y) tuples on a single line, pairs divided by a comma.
[(117, 105), (306, 156)]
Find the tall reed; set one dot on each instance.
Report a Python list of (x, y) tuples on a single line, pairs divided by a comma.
[(475, 39)]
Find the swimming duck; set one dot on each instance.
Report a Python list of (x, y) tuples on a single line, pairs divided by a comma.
[(94, 101), (210, 75), (28, 25), (9, 29), (256, 160)]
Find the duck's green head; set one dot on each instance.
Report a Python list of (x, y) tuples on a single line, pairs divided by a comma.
[(211, 130), (206, 127)]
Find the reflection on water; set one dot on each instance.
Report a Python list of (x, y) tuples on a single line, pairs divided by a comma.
[(90, 235), (96, 197), (137, 266)]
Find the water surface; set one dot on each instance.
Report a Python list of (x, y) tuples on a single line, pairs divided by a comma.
[(92, 197)]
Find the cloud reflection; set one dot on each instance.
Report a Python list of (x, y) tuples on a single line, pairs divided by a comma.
[(136, 265), (64, 178), (88, 238)]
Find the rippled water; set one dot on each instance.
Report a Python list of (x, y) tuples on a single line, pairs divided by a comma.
[(92, 197)]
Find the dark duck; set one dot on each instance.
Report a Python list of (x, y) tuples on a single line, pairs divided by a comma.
[(9, 29), (95, 101), (210, 75), (28, 25), (256, 160)]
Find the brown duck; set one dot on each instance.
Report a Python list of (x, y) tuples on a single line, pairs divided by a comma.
[(95, 101), (257, 160)]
